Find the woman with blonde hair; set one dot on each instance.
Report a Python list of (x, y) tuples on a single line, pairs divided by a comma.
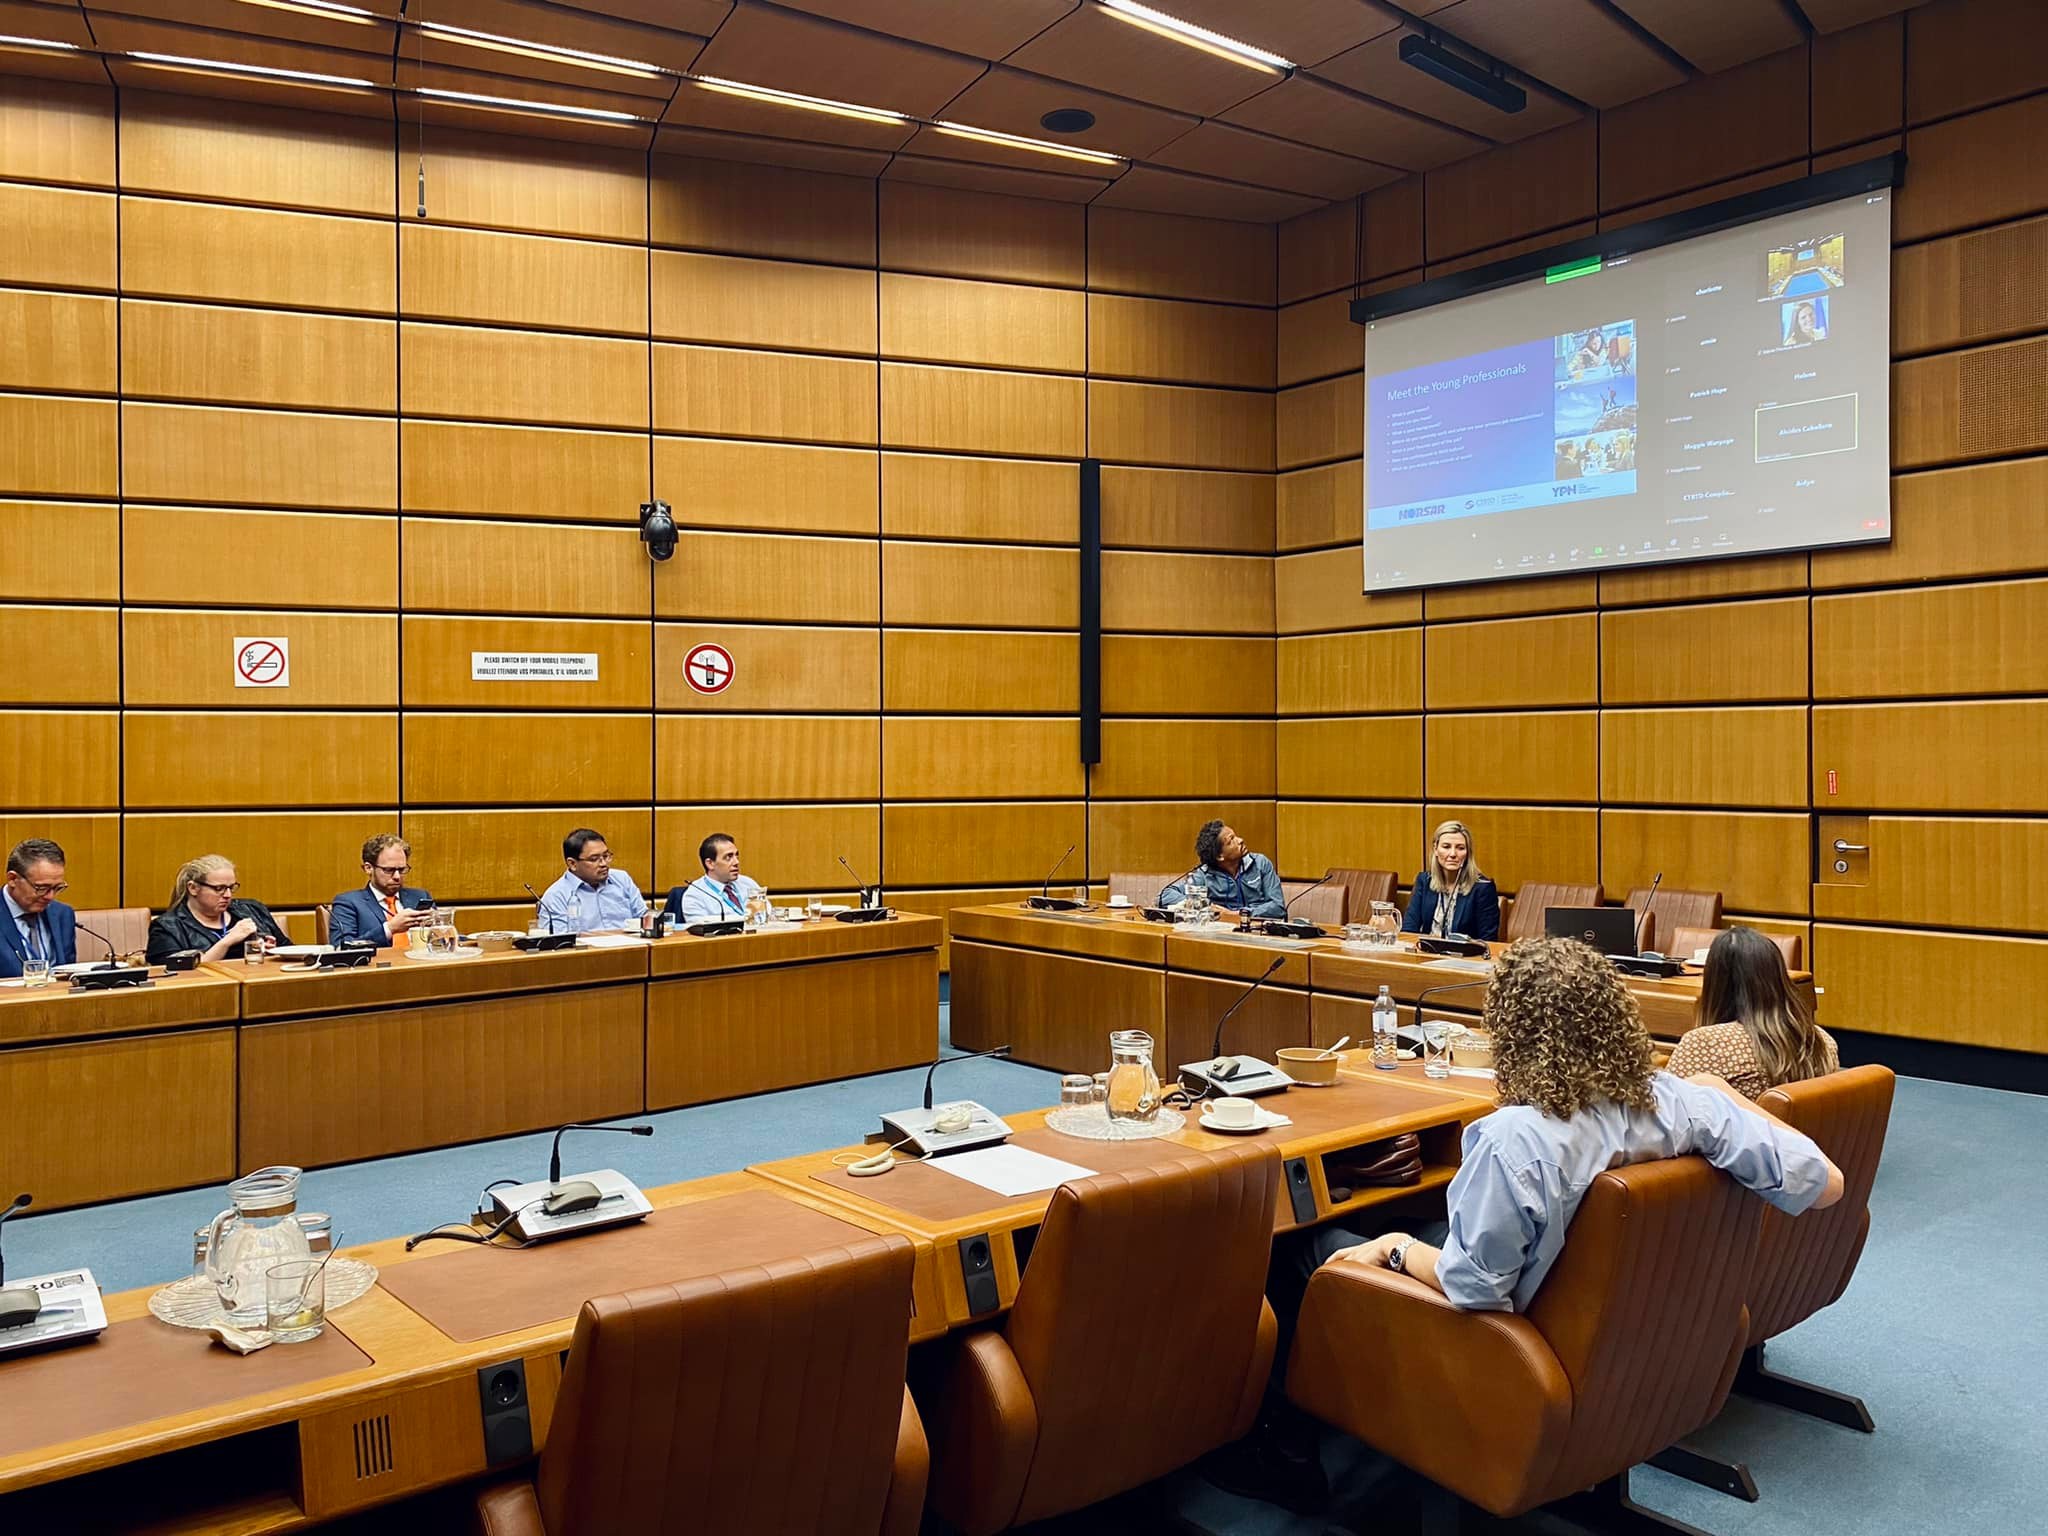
[(1752, 1026), (1451, 895), (205, 914)]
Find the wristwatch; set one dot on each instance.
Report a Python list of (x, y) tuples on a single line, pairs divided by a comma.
[(1397, 1256)]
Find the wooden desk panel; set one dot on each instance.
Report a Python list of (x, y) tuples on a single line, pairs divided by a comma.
[(105, 1119), (275, 991), (720, 1034), (1271, 1017), (56, 1012), (1094, 934), (340, 1087), (1214, 953), (687, 955), (1051, 1009)]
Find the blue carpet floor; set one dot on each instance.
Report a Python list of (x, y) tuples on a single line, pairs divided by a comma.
[(1940, 1331)]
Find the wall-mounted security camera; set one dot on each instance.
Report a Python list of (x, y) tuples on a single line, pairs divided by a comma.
[(657, 530)]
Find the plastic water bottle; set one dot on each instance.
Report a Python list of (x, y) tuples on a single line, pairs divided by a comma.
[(1386, 1031)]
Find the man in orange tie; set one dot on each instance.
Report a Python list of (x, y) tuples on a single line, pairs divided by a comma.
[(386, 906)]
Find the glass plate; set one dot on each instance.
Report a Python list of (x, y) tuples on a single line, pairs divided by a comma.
[(464, 953), (1091, 1122), (194, 1303)]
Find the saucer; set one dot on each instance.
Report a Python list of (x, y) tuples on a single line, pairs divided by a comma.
[(1209, 1124)]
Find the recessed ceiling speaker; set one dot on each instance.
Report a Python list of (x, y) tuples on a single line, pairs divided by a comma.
[(1067, 120), (1461, 74)]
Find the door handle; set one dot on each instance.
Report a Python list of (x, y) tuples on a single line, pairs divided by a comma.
[(1842, 847)]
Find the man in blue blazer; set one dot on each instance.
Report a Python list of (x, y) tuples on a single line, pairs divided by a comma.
[(386, 906), (34, 924)]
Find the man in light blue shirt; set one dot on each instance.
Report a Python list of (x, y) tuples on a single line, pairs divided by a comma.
[(591, 896), (1236, 879), (721, 892)]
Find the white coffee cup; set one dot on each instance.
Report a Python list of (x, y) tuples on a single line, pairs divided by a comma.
[(1119, 901), (1236, 1114)]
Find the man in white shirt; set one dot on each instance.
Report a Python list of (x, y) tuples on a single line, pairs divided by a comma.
[(591, 896), (721, 893)]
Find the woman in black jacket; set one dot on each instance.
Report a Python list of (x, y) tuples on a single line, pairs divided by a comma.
[(205, 914), (1451, 895)]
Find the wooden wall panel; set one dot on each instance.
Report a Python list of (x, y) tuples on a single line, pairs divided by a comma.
[(1314, 423), (1991, 637), (1358, 674), (1317, 340), (175, 555), (523, 280), (1313, 837), (545, 186), (468, 565), (1971, 55), (1711, 128), (54, 447), (527, 759), (945, 757), (257, 357), (762, 210), (1983, 755), (738, 758), (1177, 342), (964, 410), (57, 341), (1759, 862), (1523, 662), (58, 237), (511, 471), (1963, 176), (1321, 591), (438, 652), (52, 131), (1318, 252), (1186, 509), (1169, 257), (175, 250), (974, 234), (1747, 757), (1978, 404), (986, 671), (1148, 675), (63, 656), (1510, 599), (239, 152), (525, 376), (983, 325), (1218, 594), (258, 758), (1319, 506), (184, 658), (765, 577), (1519, 189), (92, 852), (979, 585), (282, 858), (60, 759), (1919, 868), (1180, 427), (1703, 579), (60, 551), (1969, 288), (730, 302), (785, 847), (1858, 82), (721, 393), (1160, 835), (778, 668), (1024, 501), (1705, 654), (1880, 980), (958, 844), (1951, 523), (1550, 756), (714, 482), (1369, 757), (1517, 844), (1184, 760), (258, 458), (475, 855)]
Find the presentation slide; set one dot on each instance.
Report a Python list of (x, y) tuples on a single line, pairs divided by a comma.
[(1724, 395)]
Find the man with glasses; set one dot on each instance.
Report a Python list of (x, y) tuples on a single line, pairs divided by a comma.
[(386, 906), (37, 925), (591, 896)]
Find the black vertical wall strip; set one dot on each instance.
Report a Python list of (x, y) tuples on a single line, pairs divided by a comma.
[(1091, 611)]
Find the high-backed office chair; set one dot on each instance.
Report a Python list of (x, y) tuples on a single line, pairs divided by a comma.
[(1143, 890), (765, 1399), (1804, 1263), (322, 911), (1140, 1340), (1631, 1343), (1537, 897), (1673, 910), (1325, 904), (1686, 941), (1363, 887), (126, 927)]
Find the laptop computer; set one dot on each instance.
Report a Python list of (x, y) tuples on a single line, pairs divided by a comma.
[(1611, 930)]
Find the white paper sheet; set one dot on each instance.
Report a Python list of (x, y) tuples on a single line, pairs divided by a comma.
[(1010, 1171), (608, 940)]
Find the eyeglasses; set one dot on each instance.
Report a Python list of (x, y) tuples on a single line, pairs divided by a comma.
[(392, 869), (55, 888), (595, 858), (218, 890)]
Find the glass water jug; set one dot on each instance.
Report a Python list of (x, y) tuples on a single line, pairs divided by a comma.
[(1133, 1085), (261, 1230)]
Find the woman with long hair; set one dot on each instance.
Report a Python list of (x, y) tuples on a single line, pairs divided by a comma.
[(205, 914), (1751, 1025), (1451, 894)]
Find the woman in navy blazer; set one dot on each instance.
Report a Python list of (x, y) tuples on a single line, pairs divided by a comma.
[(1453, 880)]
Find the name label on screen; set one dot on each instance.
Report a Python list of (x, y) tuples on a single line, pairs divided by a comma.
[(533, 666)]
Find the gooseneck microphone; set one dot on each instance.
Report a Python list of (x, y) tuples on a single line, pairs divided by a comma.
[(1285, 927), (1643, 917), (539, 907), (1448, 986), (1045, 886), (1216, 1042), (996, 1050), (21, 1202), (1180, 880), (21, 1306), (555, 1153), (859, 884), (1045, 901), (111, 963)]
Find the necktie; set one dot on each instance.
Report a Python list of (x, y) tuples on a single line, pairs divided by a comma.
[(391, 906), (35, 945), (732, 897)]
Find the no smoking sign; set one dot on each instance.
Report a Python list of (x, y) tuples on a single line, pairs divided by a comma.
[(708, 668), (263, 661)]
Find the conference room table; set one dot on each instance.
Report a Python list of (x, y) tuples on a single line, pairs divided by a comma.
[(386, 1402)]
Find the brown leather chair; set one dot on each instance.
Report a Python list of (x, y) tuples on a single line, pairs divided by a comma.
[(321, 912), (1804, 1263), (765, 1399), (1324, 904), (1634, 1335), (1686, 941), (126, 927), (1537, 897), (1119, 1362), (1363, 887), (1143, 890), (1673, 910)]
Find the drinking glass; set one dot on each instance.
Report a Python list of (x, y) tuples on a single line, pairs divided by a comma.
[(254, 951), (1359, 936), (297, 1294), (1077, 1091), (757, 910), (1436, 1048), (319, 1229), (815, 908), (35, 973)]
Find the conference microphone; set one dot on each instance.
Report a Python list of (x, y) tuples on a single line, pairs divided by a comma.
[(530, 1213), (870, 896), (108, 964), (929, 1132), (1448, 986), (1044, 901), (932, 1070), (1646, 962), (22, 1305), (1281, 927), (107, 974), (555, 1152), (1643, 918), (1239, 1075), (1159, 912)]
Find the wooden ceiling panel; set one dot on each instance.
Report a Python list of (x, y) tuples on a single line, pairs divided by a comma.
[(993, 178), (138, 34), (298, 95), (1093, 47), (1718, 36), (1575, 45), (699, 16), (50, 23), (695, 106), (935, 145), (652, 89), (1837, 15), (545, 93), (529, 22), (1012, 101), (364, 36), (530, 125), (1238, 154), (1314, 112), (1376, 69), (793, 52), (983, 31), (78, 68), (707, 144), (1153, 190), (1306, 31)]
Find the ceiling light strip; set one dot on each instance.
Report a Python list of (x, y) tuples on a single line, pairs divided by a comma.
[(777, 98), (323, 10), (1037, 146), (548, 52), (8, 40), (519, 104), (256, 71), (1197, 37)]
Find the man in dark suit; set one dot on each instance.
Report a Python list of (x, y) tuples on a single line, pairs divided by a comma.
[(34, 924), (386, 906)]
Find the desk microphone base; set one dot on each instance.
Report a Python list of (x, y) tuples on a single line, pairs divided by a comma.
[(68, 1311), (619, 1201), (1252, 1078)]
